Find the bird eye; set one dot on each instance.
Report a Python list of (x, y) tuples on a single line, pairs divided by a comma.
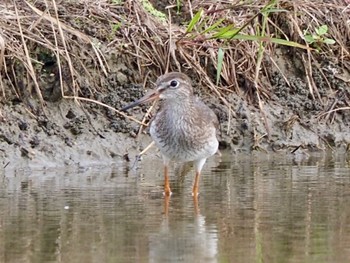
[(174, 83)]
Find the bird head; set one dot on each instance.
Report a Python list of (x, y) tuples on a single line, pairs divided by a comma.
[(173, 86)]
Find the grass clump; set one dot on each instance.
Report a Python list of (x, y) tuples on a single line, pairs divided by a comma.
[(230, 47)]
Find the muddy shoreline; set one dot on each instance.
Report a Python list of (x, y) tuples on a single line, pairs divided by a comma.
[(84, 134)]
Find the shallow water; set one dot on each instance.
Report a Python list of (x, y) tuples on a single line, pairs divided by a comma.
[(252, 208)]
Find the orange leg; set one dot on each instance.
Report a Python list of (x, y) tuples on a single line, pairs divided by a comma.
[(167, 190), (166, 205), (196, 184), (195, 204)]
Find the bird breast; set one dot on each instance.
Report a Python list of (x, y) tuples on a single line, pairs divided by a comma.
[(183, 135)]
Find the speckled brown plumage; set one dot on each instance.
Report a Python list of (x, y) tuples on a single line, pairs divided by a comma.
[(184, 128)]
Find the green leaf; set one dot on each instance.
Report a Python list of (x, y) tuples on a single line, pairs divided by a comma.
[(219, 66), (194, 20), (321, 30), (329, 41), (309, 39)]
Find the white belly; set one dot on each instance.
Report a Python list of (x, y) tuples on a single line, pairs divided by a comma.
[(175, 146)]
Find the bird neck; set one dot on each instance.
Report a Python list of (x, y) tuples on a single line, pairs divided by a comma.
[(178, 105)]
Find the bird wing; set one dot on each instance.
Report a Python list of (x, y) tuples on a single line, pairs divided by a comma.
[(207, 113)]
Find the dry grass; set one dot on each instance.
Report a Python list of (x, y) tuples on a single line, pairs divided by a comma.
[(76, 36)]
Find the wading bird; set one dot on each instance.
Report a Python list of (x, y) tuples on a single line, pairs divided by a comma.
[(184, 128)]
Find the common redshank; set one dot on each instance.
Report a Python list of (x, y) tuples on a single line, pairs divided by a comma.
[(184, 128)]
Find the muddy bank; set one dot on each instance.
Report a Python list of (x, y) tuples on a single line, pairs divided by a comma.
[(68, 136), (85, 134), (43, 126)]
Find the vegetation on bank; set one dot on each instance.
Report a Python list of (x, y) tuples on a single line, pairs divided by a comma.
[(51, 51)]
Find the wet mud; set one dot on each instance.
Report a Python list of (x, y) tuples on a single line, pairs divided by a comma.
[(80, 133)]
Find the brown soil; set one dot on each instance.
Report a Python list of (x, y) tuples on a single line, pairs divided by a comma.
[(63, 131)]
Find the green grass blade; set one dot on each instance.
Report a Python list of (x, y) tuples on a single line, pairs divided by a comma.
[(213, 26), (194, 20), (268, 6), (178, 6), (219, 66), (275, 10), (271, 40), (225, 32)]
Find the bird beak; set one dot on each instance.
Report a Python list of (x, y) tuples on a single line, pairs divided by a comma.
[(150, 96)]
